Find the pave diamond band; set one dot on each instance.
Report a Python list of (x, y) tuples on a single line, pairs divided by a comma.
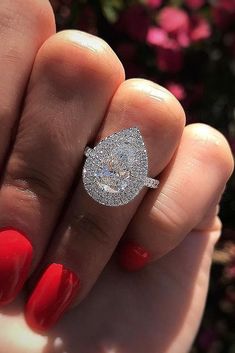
[(151, 183), (116, 169), (88, 151)]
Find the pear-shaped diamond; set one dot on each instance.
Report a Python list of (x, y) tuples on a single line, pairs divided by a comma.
[(116, 169)]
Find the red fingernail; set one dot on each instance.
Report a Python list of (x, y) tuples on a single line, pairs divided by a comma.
[(15, 260), (55, 291), (133, 257)]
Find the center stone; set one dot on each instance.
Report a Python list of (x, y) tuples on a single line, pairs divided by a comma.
[(114, 174)]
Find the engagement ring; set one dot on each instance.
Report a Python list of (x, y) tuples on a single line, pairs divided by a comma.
[(116, 169)]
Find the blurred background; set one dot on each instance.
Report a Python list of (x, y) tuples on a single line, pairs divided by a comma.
[(188, 46)]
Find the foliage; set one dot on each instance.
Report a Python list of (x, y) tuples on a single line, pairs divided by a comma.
[(189, 47)]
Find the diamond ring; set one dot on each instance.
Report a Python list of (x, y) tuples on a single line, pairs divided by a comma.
[(116, 169)]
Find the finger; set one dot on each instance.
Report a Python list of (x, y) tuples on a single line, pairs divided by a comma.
[(190, 189), (24, 26), (89, 233), (56, 124)]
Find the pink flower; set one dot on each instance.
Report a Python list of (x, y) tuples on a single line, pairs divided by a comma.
[(176, 23), (200, 29), (134, 21), (183, 38), (157, 36), (174, 20), (194, 4), (154, 3), (177, 90), (169, 59)]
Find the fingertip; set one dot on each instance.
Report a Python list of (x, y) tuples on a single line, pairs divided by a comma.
[(133, 257), (170, 106), (69, 54), (216, 146), (54, 294)]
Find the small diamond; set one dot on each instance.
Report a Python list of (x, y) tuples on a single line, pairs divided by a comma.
[(116, 169)]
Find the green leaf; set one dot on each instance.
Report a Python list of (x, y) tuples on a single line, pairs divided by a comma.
[(111, 9)]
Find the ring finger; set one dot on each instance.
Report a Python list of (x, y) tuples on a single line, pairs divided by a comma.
[(89, 233)]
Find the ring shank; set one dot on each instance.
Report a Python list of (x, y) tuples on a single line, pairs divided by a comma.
[(151, 183), (88, 151)]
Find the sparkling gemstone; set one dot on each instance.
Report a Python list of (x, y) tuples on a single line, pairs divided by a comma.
[(116, 169), (115, 174)]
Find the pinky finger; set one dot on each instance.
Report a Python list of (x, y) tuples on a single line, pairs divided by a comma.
[(187, 198)]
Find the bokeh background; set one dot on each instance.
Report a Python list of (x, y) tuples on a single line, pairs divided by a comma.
[(188, 46)]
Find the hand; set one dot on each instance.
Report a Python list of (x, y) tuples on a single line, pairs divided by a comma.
[(76, 95)]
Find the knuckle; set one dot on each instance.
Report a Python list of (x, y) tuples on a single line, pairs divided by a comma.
[(93, 227), (169, 221), (171, 235), (30, 180), (172, 219)]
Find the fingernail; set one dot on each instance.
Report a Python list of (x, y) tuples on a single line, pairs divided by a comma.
[(16, 254), (52, 296), (133, 257)]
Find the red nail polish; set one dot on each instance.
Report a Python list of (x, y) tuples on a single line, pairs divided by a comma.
[(15, 260), (55, 291), (133, 257)]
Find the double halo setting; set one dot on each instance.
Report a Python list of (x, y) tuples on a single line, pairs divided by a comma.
[(116, 169)]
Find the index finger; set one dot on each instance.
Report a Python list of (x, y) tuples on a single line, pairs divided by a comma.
[(24, 26)]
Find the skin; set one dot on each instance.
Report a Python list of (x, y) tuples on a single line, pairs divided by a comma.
[(55, 77)]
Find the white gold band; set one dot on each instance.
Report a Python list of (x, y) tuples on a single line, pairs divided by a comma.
[(151, 183), (88, 151)]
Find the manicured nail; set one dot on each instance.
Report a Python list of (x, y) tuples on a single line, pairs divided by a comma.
[(133, 257), (52, 296), (16, 254)]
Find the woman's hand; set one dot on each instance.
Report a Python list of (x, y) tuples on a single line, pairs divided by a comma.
[(59, 238), (156, 310)]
